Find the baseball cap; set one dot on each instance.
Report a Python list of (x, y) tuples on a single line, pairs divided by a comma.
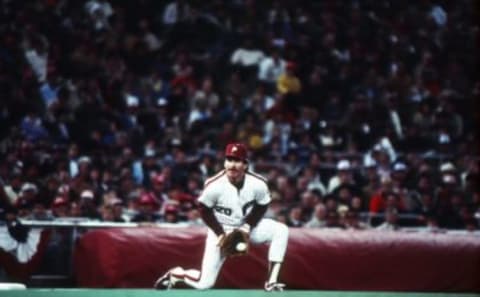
[(88, 194), (29, 187), (132, 101), (171, 208), (59, 201), (147, 199), (159, 179), (444, 138), (84, 159), (449, 179), (448, 166), (236, 150), (343, 165), (162, 101), (399, 166)]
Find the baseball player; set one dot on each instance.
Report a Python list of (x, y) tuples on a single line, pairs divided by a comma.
[(233, 198)]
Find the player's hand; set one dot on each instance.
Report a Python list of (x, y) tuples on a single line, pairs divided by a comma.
[(234, 243), (245, 228), (221, 239)]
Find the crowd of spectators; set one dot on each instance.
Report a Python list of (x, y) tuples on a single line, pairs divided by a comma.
[(119, 110)]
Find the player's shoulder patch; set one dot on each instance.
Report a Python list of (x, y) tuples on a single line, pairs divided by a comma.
[(257, 176), (210, 180)]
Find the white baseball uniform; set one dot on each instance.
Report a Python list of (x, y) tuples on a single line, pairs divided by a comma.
[(230, 206)]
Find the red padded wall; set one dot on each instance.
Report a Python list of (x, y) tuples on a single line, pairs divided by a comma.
[(316, 259)]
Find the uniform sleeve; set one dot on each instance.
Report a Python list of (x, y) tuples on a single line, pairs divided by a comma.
[(208, 197), (263, 194)]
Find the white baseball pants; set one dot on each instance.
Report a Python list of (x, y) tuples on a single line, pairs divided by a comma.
[(267, 230)]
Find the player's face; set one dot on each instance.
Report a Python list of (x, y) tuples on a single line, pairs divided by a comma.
[(235, 169)]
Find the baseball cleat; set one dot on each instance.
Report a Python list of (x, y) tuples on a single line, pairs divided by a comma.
[(164, 282), (272, 287), (169, 279)]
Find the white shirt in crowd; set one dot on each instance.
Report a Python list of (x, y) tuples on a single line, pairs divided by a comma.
[(247, 57), (270, 69)]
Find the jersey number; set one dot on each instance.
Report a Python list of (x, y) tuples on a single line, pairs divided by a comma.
[(223, 210), (228, 211)]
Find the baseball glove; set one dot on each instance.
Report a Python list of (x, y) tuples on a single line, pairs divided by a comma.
[(234, 243)]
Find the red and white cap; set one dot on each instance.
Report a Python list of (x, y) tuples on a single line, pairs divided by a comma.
[(159, 179), (147, 199), (59, 201), (236, 150)]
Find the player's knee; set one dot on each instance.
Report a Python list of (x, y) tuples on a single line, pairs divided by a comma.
[(205, 284)]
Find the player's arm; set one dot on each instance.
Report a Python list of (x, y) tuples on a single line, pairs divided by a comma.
[(256, 214), (209, 219), (207, 201), (260, 206)]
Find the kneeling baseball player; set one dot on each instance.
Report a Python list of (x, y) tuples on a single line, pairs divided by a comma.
[(232, 205)]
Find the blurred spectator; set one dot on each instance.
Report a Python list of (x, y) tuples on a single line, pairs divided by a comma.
[(60, 207), (75, 210), (352, 221), (117, 209), (158, 186), (371, 178), (40, 211), (99, 12), (331, 203), (314, 179), (147, 206), (171, 213), (344, 194), (276, 206), (385, 200), (33, 128), (308, 200), (319, 216), (432, 224), (270, 69), (288, 83), (344, 176), (333, 220), (295, 217), (12, 188), (107, 213), (383, 155), (105, 97), (175, 12), (88, 205), (247, 55), (420, 198), (193, 218), (391, 220)]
